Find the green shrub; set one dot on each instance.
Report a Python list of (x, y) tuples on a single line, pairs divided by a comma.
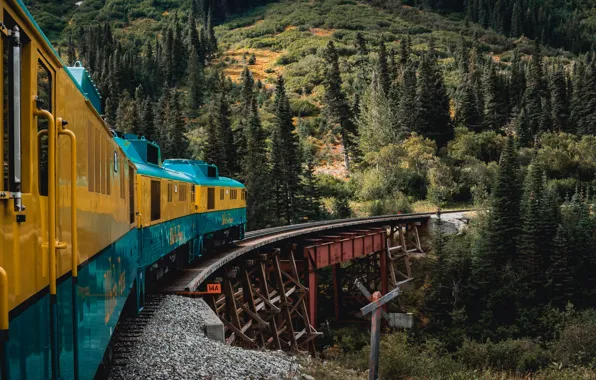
[(302, 107), (515, 355), (577, 341)]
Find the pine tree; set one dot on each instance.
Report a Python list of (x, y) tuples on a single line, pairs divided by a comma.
[(289, 169), (126, 116), (139, 101), (213, 152), (586, 107), (516, 20), (360, 44), (256, 172), (505, 210), (311, 207), (560, 276), (382, 69), (375, 120), (517, 82), (406, 115), (221, 114), (177, 142), (148, 127), (467, 108), (494, 106), (559, 99), (71, 52), (337, 107), (195, 83), (433, 119)]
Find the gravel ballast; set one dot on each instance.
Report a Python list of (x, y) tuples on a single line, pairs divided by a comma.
[(173, 345)]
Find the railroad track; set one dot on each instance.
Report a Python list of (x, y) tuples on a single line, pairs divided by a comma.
[(130, 329), (339, 222), (191, 277)]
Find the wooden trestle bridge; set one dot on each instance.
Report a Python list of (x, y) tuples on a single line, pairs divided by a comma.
[(269, 280)]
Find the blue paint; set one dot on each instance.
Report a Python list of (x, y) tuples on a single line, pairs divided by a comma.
[(100, 301)]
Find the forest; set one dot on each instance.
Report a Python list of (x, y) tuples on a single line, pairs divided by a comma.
[(337, 108)]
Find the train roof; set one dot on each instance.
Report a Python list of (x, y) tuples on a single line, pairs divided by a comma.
[(79, 76), (146, 157), (201, 172)]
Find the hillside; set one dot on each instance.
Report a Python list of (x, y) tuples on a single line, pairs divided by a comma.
[(339, 108)]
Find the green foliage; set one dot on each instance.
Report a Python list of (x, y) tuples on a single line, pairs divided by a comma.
[(512, 355)]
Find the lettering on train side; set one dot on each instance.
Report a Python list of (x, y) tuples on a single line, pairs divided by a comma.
[(176, 234), (227, 219)]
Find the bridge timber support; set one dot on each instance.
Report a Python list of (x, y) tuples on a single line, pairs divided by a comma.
[(270, 290)]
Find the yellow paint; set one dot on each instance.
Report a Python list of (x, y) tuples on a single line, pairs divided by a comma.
[(101, 219), (220, 204), (169, 210)]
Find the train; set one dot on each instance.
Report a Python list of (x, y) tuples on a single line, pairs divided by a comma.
[(90, 217)]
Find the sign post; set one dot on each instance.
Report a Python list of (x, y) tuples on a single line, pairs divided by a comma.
[(375, 307)]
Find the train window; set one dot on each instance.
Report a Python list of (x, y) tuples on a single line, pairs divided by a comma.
[(192, 193), (155, 200), (210, 198), (182, 193), (44, 94), (170, 188), (221, 194), (152, 155), (115, 162), (243, 195), (211, 171), (131, 194), (90, 158)]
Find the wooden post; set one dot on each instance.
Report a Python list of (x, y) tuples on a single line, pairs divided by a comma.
[(384, 274), (375, 337)]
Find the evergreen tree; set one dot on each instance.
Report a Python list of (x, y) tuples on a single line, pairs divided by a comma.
[(505, 210), (375, 120), (467, 107), (148, 127), (517, 26), (288, 170), (126, 116), (337, 107), (312, 207), (406, 110), (494, 105), (559, 99), (256, 172), (517, 84), (177, 142), (433, 119), (383, 70), (560, 276), (195, 83), (360, 44), (213, 152), (221, 114)]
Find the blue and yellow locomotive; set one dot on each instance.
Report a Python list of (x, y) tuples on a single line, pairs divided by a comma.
[(88, 217)]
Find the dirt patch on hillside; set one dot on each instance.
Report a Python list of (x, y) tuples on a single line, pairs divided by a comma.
[(263, 68), (322, 32)]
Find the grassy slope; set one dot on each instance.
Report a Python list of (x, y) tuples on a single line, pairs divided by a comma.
[(287, 38)]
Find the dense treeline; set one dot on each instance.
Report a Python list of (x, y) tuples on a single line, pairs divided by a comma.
[(554, 22)]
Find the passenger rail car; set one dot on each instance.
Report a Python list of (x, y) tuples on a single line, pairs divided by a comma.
[(87, 217)]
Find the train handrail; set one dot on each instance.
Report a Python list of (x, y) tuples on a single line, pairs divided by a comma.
[(52, 243), (74, 237)]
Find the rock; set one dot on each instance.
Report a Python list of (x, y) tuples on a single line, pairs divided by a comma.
[(173, 345)]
